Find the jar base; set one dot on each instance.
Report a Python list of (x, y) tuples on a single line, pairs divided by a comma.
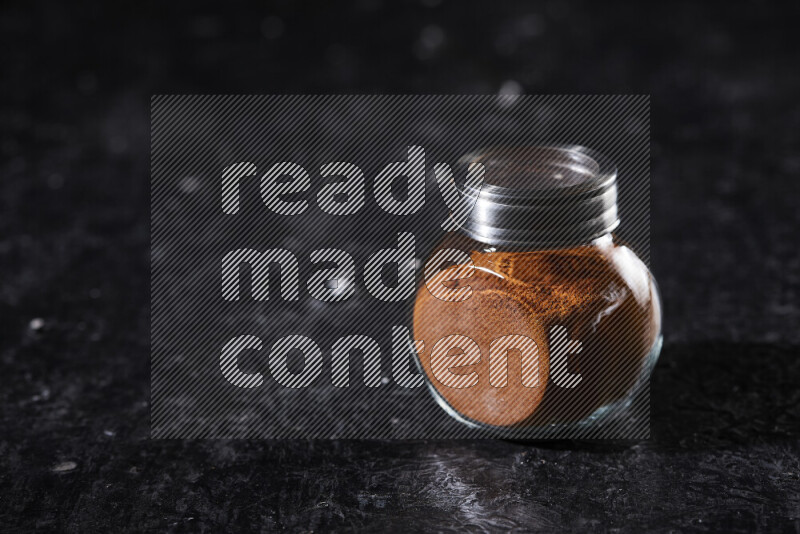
[(615, 420)]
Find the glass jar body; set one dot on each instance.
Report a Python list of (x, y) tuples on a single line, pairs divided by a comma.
[(536, 338)]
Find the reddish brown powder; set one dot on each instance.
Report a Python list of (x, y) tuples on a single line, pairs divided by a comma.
[(602, 294)]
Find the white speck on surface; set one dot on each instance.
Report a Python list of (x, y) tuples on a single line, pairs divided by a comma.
[(43, 395), (190, 184), (36, 324), (109, 433), (64, 467), (431, 39), (509, 93), (384, 380)]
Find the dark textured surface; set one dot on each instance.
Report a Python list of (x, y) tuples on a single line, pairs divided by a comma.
[(74, 447)]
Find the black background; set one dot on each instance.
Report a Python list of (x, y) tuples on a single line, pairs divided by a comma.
[(74, 357)]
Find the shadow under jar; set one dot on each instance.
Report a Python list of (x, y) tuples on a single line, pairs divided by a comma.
[(532, 315)]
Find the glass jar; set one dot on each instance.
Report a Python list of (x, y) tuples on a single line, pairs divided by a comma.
[(533, 315)]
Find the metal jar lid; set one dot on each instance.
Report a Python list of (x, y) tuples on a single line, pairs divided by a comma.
[(545, 197)]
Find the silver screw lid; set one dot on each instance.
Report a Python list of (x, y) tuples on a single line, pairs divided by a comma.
[(545, 197)]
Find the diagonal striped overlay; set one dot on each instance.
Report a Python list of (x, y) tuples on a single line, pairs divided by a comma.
[(272, 315)]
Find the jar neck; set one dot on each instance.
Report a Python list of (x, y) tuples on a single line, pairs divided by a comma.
[(604, 241), (548, 197)]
